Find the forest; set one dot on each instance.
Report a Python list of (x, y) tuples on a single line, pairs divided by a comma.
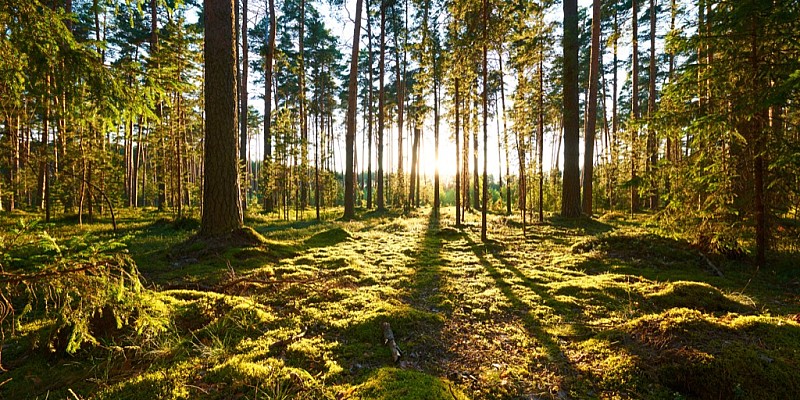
[(399, 199)]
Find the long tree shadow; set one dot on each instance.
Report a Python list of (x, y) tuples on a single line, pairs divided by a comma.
[(417, 320), (548, 341), (425, 294)]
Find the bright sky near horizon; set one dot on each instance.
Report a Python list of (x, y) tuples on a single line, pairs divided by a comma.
[(339, 22)]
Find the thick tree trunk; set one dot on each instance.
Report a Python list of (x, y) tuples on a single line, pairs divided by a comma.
[(571, 189), (591, 118), (350, 137), (222, 210)]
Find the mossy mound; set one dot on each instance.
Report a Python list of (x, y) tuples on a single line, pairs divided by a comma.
[(399, 384), (613, 216), (695, 295), (329, 237), (449, 233), (642, 249), (701, 356)]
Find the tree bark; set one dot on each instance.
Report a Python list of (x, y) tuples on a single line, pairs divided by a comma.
[(369, 108), (571, 188), (634, 104), (540, 135), (458, 154), (652, 145), (591, 119), (243, 107), (269, 194), (381, 94), (222, 210), (400, 106), (303, 200), (614, 113), (505, 131), (414, 168), (485, 71), (350, 137)]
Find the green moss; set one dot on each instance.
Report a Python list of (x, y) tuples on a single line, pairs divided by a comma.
[(699, 355), (329, 237), (398, 384), (695, 295), (625, 313)]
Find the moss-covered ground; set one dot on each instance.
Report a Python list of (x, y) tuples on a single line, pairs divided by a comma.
[(572, 309)]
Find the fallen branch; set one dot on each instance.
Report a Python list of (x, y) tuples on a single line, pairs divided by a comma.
[(710, 264), (388, 339), (11, 278), (247, 279)]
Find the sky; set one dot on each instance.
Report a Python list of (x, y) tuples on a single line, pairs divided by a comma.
[(339, 21)]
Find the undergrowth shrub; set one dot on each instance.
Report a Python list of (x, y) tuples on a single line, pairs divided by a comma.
[(83, 291)]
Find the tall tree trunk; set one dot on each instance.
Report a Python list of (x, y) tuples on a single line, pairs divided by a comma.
[(476, 198), (400, 106), (458, 153), (634, 105), (222, 208), (303, 121), (485, 71), (414, 169), (350, 137), (243, 97), (540, 135), (652, 145), (522, 195), (436, 117), (614, 113), (317, 134), (591, 119), (269, 194), (369, 107), (46, 163), (381, 94), (465, 153), (571, 189), (505, 131), (15, 161)]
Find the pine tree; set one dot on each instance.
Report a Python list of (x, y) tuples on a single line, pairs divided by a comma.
[(222, 210)]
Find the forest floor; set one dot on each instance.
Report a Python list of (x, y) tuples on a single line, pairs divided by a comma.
[(608, 308)]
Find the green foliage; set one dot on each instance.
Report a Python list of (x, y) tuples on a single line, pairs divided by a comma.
[(85, 289)]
